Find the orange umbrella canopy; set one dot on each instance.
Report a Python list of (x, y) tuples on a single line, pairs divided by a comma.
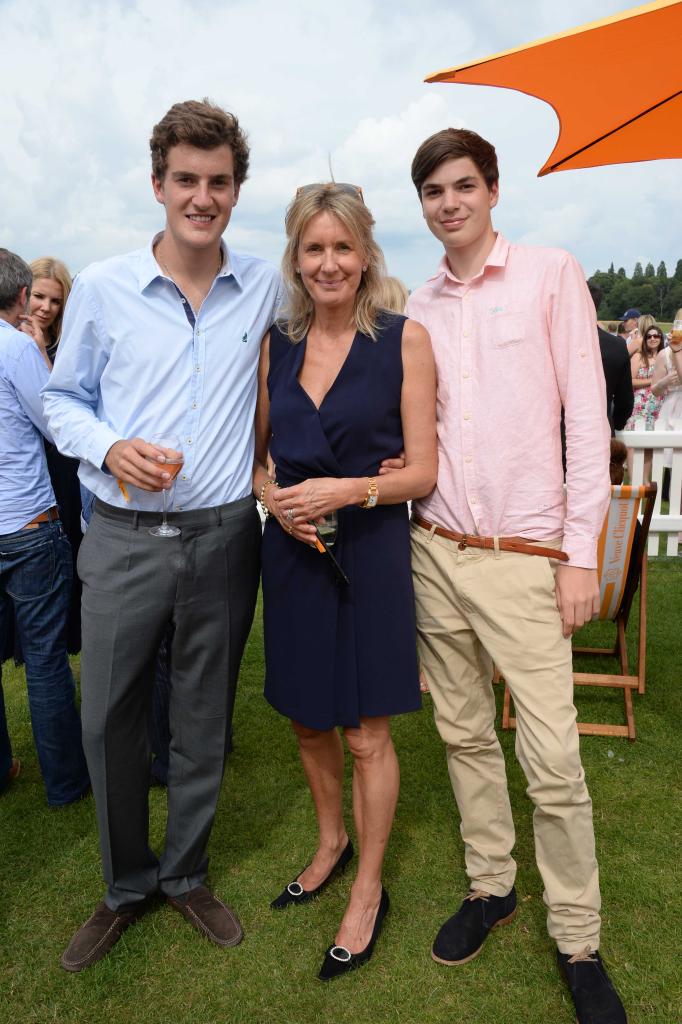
[(615, 85)]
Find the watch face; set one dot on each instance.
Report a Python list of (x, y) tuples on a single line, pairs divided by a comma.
[(372, 500)]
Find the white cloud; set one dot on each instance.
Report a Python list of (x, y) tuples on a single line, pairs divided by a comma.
[(83, 84)]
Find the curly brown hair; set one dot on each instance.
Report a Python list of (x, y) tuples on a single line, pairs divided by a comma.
[(202, 124)]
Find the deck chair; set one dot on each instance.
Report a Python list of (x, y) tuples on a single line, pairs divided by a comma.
[(622, 567)]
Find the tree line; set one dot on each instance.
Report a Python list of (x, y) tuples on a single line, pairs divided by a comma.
[(648, 290)]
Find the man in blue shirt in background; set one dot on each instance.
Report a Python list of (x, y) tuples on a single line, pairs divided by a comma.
[(35, 559), (165, 340)]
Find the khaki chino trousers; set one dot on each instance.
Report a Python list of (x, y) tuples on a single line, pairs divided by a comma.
[(473, 607)]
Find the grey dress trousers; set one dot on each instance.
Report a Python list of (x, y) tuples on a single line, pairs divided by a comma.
[(205, 582)]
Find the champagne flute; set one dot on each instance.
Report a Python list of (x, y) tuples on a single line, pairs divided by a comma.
[(676, 333), (172, 449)]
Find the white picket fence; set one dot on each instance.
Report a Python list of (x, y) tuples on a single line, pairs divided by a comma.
[(666, 526)]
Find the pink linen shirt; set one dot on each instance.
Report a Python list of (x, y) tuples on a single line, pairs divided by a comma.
[(512, 346)]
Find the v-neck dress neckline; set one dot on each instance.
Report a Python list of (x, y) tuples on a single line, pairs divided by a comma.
[(303, 345)]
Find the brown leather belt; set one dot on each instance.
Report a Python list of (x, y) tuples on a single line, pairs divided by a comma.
[(44, 517), (521, 545)]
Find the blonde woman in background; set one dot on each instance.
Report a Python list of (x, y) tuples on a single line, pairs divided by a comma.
[(49, 291), (393, 295)]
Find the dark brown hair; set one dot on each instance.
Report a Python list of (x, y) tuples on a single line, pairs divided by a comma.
[(201, 124), (451, 144), (644, 354)]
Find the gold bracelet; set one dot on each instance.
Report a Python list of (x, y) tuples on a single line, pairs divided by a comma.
[(261, 498), (372, 494)]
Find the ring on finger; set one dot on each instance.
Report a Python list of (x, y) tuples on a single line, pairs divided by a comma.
[(290, 515)]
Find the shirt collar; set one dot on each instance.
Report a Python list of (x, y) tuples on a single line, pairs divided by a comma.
[(150, 270), (497, 257)]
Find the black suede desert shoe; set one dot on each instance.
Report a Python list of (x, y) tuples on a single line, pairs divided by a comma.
[(596, 1000), (462, 936)]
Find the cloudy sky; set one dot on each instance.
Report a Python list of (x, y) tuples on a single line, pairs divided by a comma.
[(83, 82)]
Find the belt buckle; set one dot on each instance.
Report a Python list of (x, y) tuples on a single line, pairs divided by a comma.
[(463, 542)]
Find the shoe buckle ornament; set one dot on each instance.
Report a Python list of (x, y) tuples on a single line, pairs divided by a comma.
[(295, 889), (335, 952)]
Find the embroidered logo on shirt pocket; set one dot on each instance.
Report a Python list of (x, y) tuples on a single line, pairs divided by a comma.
[(506, 330)]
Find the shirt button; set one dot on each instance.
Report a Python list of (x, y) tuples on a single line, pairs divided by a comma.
[(183, 477), (468, 459), (466, 334), (474, 500), (197, 369), (466, 416), (194, 405), (466, 374), (189, 440)]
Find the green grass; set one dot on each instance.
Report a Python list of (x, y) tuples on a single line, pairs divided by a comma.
[(162, 971)]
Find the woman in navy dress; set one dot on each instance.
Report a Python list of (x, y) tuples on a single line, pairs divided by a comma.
[(343, 387)]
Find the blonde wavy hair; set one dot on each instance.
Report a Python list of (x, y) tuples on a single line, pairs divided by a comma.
[(394, 295), (54, 270), (348, 206)]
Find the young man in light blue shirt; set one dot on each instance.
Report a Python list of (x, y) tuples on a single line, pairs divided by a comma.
[(35, 558), (165, 340)]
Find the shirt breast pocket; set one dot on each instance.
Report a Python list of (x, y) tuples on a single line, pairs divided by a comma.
[(507, 330)]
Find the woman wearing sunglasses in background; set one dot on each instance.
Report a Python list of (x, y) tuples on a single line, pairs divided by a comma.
[(343, 386), (646, 404)]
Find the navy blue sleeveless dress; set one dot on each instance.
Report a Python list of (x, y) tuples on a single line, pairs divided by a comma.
[(334, 654)]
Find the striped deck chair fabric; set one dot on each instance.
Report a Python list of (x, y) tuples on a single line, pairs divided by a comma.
[(615, 547)]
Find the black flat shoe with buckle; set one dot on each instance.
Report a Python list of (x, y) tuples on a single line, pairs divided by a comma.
[(338, 960), (296, 894)]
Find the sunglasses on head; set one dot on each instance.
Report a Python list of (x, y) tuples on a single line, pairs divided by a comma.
[(329, 186)]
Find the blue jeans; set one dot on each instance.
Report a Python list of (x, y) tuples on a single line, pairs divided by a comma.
[(5, 745), (35, 580)]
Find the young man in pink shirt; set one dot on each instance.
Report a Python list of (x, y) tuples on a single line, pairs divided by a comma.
[(505, 564)]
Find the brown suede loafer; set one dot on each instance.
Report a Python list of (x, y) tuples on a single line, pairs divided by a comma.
[(209, 916), (98, 935)]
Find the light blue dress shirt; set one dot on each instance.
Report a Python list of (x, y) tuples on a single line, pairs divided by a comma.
[(25, 488), (130, 364)]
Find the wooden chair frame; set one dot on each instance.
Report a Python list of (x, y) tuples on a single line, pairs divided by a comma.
[(622, 680)]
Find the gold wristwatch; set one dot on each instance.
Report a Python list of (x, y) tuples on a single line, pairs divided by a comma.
[(372, 494)]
